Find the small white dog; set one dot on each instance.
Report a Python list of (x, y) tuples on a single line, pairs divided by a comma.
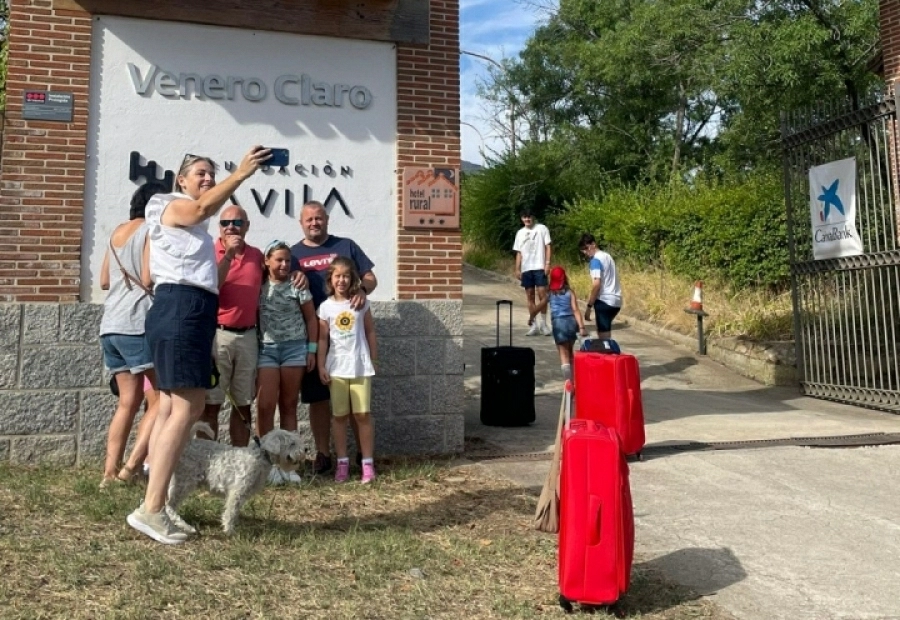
[(236, 473)]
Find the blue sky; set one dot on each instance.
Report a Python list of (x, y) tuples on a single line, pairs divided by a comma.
[(497, 29)]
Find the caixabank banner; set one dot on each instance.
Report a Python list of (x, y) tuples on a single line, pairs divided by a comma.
[(832, 201), (161, 90)]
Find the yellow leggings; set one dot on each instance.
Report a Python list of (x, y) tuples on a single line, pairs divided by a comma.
[(351, 395)]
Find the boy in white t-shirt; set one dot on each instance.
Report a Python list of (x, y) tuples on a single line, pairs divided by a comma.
[(605, 298), (532, 248)]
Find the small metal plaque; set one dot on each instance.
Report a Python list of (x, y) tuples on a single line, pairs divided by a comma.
[(431, 198), (45, 105)]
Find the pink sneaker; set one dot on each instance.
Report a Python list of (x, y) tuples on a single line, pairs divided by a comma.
[(368, 474), (342, 472)]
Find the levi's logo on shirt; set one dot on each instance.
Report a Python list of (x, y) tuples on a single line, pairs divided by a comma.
[(317, 263)]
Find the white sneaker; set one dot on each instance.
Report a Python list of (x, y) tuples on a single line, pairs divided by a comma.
[(178, 522), (157, 526), (545, 329), (277, 477), (534, 331)]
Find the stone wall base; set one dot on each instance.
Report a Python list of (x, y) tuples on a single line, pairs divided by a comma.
[(55, 404), (769, 363)]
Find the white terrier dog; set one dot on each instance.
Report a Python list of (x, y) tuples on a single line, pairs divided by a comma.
[(236, 473)]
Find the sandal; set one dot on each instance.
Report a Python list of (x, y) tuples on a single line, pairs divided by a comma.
[(125, 474), (106, 482)]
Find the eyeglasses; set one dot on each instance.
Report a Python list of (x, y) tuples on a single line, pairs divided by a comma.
[(237, 223)]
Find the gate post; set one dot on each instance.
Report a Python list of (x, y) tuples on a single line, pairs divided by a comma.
[(889, 24)]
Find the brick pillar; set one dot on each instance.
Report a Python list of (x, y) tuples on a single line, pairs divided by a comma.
[(42, 176), (889, 22), (889, 17), (429, 263)]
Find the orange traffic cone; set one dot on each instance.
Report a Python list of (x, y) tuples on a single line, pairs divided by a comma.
[(697, 300)]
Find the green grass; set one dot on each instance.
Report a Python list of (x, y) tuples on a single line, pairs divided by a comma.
[(425, 541), (486, 258)]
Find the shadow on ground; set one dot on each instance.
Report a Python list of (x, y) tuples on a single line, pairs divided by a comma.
[(704, 571)]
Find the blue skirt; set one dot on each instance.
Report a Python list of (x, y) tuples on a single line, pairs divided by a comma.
[(180, 328)]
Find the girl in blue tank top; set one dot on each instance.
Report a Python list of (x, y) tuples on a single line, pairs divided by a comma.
[(566, 318)]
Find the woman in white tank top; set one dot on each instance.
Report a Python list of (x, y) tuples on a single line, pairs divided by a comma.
[(181, 324)]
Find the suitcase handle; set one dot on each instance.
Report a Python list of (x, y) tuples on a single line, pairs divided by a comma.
[(596, 506), (500, 303)]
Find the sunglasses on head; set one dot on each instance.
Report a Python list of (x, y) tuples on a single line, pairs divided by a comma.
[(237, 223)]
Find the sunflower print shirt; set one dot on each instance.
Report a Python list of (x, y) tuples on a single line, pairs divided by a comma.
[(348, 352)]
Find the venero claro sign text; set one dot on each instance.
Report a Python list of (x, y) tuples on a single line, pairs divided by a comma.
[(289, 89)]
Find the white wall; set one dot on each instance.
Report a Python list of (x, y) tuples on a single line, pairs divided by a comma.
[(164, 128)]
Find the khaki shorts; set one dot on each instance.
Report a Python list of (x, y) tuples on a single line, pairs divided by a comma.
[(236, 356), (351, 395)]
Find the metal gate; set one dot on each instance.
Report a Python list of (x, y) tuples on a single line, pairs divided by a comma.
[(846, 310)]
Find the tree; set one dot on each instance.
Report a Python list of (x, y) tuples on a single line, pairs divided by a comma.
[(793, 55), (650, 89)]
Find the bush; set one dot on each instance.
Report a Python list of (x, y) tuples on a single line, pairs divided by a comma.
[(734, 231), (543, 177)]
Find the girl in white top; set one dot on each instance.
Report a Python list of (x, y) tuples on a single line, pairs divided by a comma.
[(182, 322), (347, 354)]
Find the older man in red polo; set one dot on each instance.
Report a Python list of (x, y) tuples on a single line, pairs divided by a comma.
[(236, 347)]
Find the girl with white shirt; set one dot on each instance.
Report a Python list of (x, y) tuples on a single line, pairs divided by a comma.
[(347, 354), (181, 324)]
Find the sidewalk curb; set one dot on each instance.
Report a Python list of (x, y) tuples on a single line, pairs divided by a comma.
[(765, 366)]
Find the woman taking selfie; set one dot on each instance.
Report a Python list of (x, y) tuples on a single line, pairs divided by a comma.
[(182, 322)]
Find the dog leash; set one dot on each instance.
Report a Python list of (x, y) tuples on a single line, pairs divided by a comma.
[(246, 422)]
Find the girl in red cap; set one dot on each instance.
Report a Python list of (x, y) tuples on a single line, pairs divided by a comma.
[(566, 318)]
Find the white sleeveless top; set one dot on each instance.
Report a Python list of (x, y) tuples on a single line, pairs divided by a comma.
[(180, 254)]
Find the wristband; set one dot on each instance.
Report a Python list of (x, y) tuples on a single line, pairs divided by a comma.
[(312, 347)]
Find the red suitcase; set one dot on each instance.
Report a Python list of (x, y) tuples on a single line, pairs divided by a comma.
[(596, 519), (608, 390)]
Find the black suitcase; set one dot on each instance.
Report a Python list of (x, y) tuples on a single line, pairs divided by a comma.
[(507, 381)]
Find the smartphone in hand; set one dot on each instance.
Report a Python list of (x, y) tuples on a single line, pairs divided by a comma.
[(278, 159)]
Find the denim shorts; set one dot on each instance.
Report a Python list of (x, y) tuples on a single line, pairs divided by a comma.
[(565, 329), (123, 352), (604, 313), (180, 326), (278, 354), (534, 278)]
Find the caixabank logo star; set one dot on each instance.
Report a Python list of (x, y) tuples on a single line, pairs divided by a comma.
[(832, 212), (830, 198)]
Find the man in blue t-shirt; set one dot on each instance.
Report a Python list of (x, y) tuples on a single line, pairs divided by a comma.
[(312, 256)]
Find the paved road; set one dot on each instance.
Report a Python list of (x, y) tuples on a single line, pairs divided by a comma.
[(774, 532)]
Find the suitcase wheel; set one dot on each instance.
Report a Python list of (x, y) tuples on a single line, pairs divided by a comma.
[(566, 604)]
